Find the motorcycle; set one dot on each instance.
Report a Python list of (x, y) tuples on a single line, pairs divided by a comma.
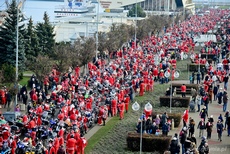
[(5, 149), (21, 148)]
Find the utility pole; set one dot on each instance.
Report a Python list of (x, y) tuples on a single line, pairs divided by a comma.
[(135, 24), (17, 37), (97, 28)]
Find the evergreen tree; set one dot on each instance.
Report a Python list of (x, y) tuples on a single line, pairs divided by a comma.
[(8, 37), (31, 42), (140, 12), (45, 33)]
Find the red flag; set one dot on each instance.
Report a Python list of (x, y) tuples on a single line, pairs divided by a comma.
[(185, 116)]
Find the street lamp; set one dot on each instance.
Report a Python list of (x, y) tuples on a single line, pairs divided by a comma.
[(97, 28), (135, 37), (16, 65), (176, 74), (199, 63), (148, 108)]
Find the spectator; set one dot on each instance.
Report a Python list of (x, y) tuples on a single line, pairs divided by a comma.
[(228, 124), (201, 147), (220, 128), (226, 81), (209, 126), (148, 125), (164, 118), (8, 99), (183, 90), (153, 128), (226, 118), (174, 146), (225, 101), (221, 118), (215, 90), (201, 126), (157, 121), (191, 127), (183, 136), (198, 102), (165, 128), (203, 113), (220, 96)]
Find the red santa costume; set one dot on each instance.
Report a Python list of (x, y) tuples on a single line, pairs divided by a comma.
[(100, 115), (127, 100), (82, 144), (122, 109), (56, 144), (13, 145), (142, 89), (71, 145), (114, 106)]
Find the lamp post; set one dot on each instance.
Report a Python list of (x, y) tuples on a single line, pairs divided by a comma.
[(176, 74), (97, 28), (135, 35), (136, 107), (16, 65), (199, 63)]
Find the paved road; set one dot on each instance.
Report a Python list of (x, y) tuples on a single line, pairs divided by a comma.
[(216, 147)]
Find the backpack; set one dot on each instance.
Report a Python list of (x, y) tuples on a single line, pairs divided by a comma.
[(201, 149)]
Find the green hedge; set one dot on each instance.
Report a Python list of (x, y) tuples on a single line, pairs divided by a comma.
[(176, 101), (176, 116), (150, 142), (194, 67), (188, 87)]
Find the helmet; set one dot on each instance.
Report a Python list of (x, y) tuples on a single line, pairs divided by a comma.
[(203, 138)]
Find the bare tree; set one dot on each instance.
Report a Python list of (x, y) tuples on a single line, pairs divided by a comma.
[(62, 56), (85, 49), (41, 66)]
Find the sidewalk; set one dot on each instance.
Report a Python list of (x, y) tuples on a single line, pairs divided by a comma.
[(215, 146)]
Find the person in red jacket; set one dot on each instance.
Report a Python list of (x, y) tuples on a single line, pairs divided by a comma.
[(126, 101), (35, 98), (52, 148), (31, 124), (61, 140), (56, 144), (183, 90), (61, 132), (114, 106), (71, 145), (39, 110), (39, 121), (13, 145), (100, 115), (82, 145), (25, 119), (142, 88), (5, 133), (122, 109)]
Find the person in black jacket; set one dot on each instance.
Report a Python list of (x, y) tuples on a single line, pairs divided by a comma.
[(153, 128), (8, 99), (183, 136), (203, 113), (174, 146)]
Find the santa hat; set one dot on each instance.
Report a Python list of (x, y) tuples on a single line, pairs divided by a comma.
[(26, 139)]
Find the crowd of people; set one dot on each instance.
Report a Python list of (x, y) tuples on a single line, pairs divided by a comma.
[(60, 109), (210, 79)]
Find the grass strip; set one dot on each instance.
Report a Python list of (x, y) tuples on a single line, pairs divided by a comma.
[(100, 133)]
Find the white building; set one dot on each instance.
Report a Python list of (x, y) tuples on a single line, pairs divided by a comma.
[(69, 29)]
